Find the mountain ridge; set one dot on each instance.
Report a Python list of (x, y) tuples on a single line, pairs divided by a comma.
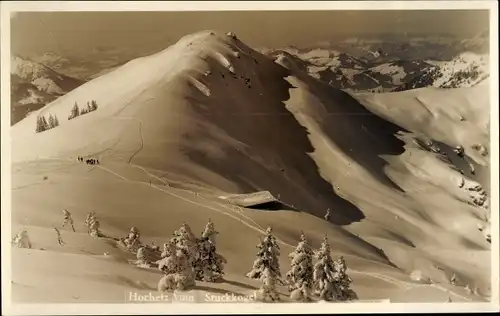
[(227, 120)]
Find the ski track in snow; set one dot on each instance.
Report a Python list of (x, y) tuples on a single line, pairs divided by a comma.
[(400, 283), (404, 284)]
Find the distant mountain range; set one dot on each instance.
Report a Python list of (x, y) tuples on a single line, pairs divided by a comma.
[(377, 74), (354, 64), (34, 85)]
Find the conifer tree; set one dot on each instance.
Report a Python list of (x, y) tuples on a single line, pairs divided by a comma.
[(343, 292), (83, 111), (56, 121), (186, 242), (89, 219), (177, 268), (300, 276), (132, 241), (75, 111), (52, 122), (267, 267), (39, 125), (324, 273), (45, 124), (94, 228), (93, 225), (142, 257), (93, 105), (22, 240), (168, 250), (209, 264)]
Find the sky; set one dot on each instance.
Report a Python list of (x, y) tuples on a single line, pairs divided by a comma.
[(152, 31)]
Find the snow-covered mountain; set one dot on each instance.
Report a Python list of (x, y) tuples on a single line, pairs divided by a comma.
[(465, 70), (211, 117), (33, 85), (381, 74)]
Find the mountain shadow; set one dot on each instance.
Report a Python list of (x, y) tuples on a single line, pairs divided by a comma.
[(260, 143), (362, 135)]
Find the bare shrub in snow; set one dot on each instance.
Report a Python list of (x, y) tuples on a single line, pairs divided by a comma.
[(68, 220), (300, 276), (22, 240), (209, 264), (266, 268), (60, 241)]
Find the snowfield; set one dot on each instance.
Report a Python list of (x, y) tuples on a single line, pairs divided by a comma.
[(176, 130)]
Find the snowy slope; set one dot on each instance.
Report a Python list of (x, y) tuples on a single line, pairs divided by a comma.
[(210, 117)]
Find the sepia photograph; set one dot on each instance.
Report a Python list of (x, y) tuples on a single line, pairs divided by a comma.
[(264, 158)]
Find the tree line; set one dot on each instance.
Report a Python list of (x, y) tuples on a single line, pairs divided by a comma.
[(43, 124), (186, 258)]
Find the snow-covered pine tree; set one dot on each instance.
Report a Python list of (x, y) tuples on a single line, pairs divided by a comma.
[(168, 250), (209, 264), (300, 276), (324, 273), (132, 241), (22, 240), (267, 268), (343, 292), (56, 121), (89, 219), (186, 241), (94, 228), (93, 225), (179, 274), (142, 257)]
